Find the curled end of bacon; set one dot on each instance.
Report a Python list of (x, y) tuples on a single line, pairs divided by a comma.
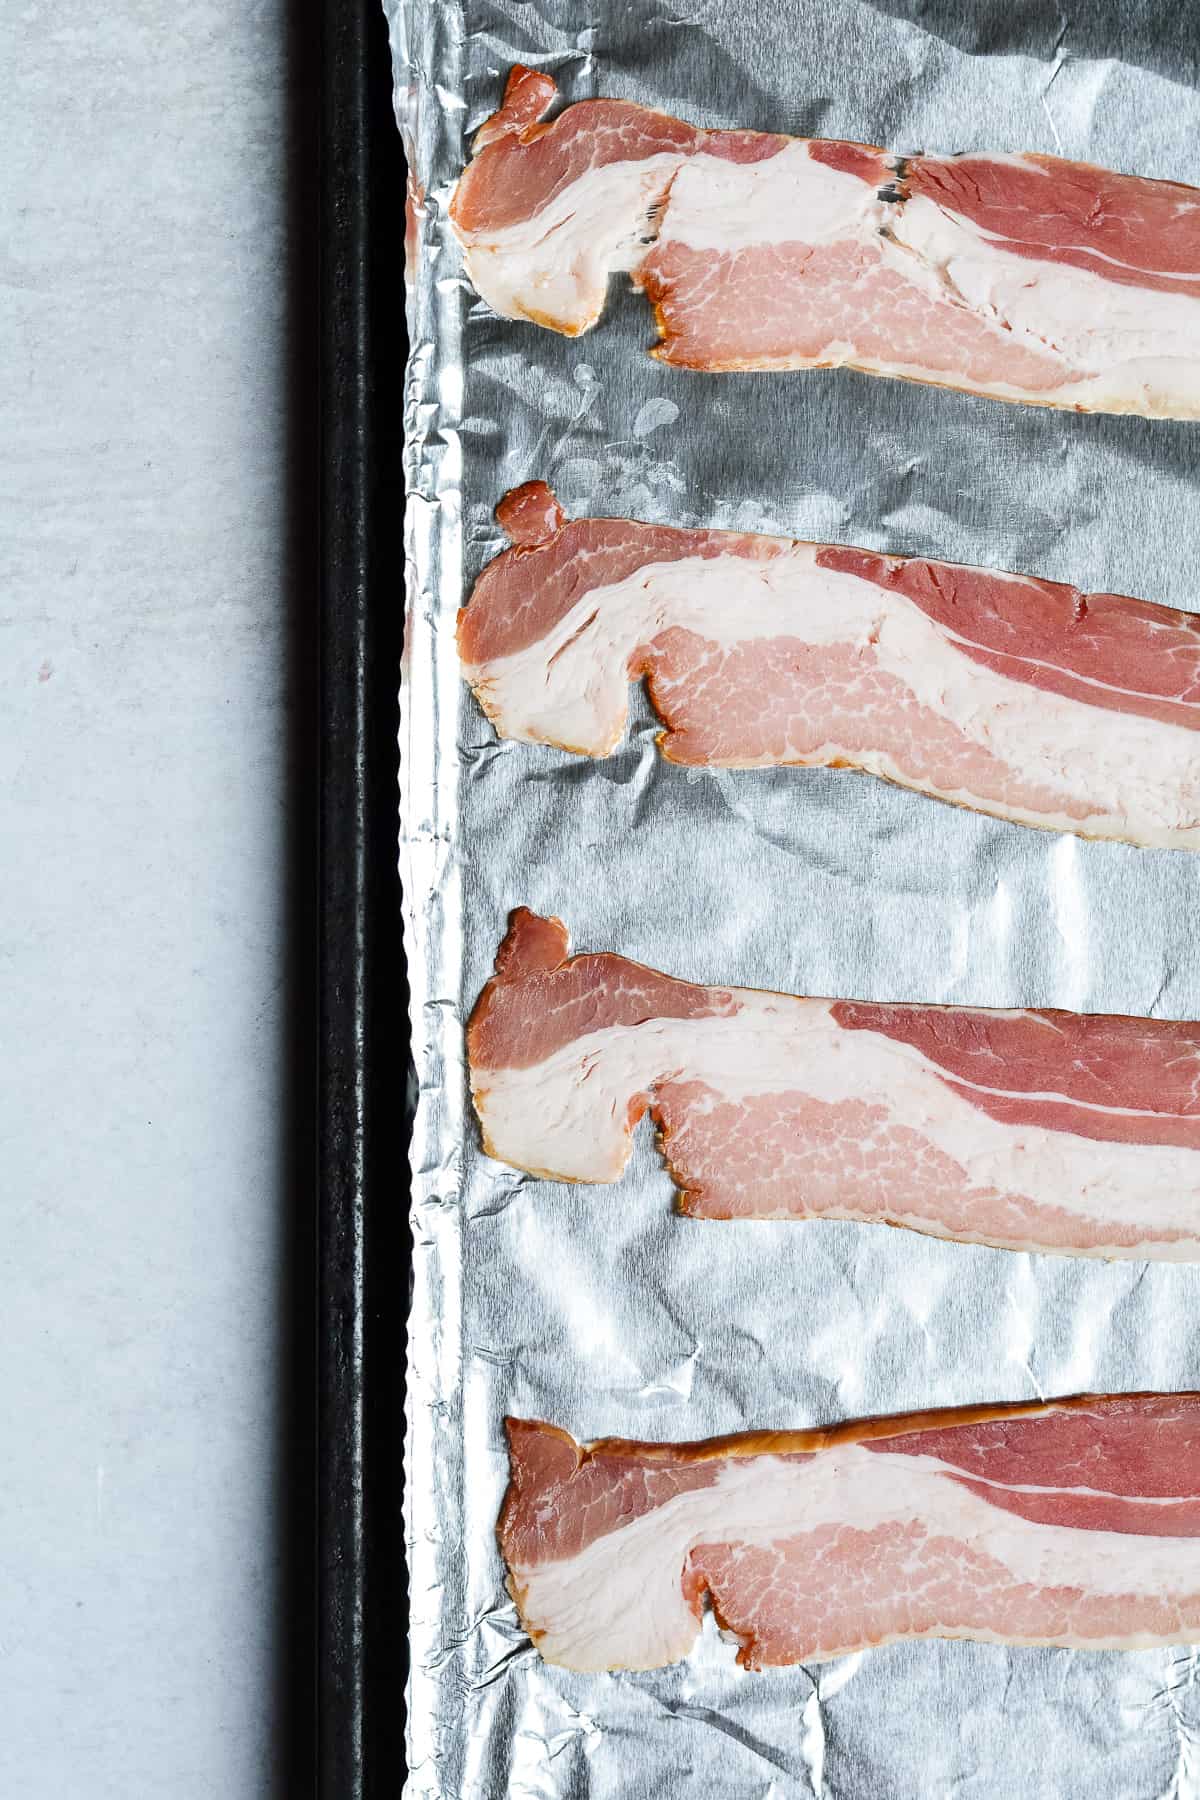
[(532, 946), (541, 1461), (539, 1455), (530, 515), (528, 96)]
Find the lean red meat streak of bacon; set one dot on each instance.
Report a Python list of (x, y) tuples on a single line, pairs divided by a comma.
[(1022, 277), (1021, 698), (1075, 1522), (1055, 1131)]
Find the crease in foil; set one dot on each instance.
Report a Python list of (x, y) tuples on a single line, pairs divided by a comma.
[(597, 1308)]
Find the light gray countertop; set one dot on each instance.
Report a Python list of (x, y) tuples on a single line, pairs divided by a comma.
[(144, 750)]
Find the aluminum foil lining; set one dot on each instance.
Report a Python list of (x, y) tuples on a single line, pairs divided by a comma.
[(597, 1308)]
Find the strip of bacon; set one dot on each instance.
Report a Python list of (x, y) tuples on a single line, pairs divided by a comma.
[(1075, 1522), (1021, 698), (1067, 1132), (1023, 277)]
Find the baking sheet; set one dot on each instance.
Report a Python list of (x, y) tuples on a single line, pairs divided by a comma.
[(597, 1308)]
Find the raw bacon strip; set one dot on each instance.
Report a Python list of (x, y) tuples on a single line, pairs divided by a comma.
[(1055, 1131), (1023, 277), (1076, 1522), (1021, 698)]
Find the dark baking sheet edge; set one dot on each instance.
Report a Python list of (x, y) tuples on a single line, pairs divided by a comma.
[(364, 1087)]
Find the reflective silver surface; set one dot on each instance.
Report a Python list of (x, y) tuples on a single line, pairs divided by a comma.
[(596, 1308)]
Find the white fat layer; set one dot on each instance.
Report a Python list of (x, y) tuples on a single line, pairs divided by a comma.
[(566, 1116), (554, 267), (1134, 777), (717, 205), (619, 1602)]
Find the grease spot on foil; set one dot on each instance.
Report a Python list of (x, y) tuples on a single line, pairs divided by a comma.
[(652, 415)]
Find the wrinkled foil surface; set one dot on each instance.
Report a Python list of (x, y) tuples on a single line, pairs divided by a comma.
[(597, 1308)]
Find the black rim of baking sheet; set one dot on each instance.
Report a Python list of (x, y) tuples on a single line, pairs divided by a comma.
[(364, 1087)]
